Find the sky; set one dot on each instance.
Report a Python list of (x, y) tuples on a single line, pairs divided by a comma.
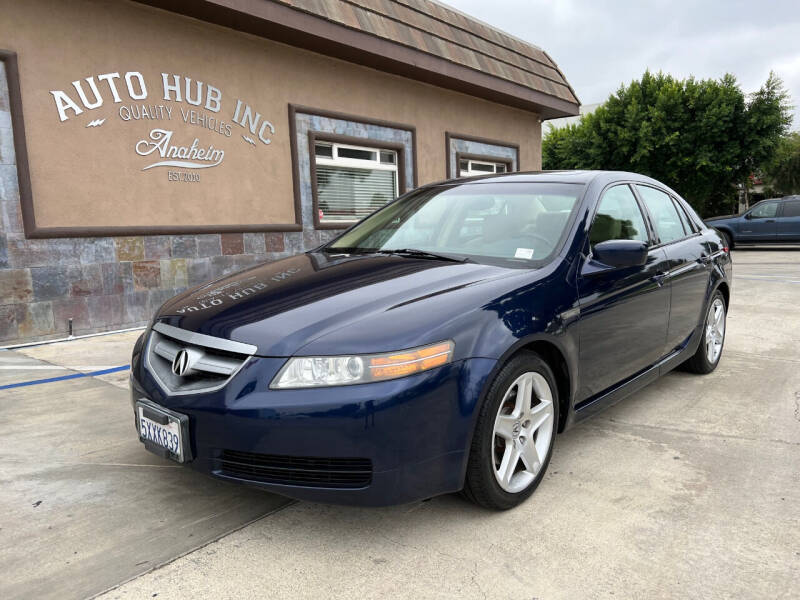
[(600, 44)]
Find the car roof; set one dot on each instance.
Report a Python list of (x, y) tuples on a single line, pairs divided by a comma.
[(572, 176), (781, 199)]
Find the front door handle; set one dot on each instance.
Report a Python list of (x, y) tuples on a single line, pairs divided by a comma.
[(769, 221), (659, 278)]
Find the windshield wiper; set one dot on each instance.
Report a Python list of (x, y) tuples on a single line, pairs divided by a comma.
[(416, 253)]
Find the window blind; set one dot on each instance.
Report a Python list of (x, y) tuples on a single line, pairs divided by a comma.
[(348, 194)]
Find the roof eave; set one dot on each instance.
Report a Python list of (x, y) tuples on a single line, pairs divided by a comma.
[(281, 23)]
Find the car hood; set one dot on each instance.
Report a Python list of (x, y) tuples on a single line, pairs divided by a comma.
[(281, 307), (720, 218)]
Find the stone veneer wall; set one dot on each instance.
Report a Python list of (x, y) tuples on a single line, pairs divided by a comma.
[(482, 149), (109, 283), (305, 122)]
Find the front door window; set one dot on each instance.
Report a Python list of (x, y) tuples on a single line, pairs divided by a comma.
[(765, 211), (618, 217)]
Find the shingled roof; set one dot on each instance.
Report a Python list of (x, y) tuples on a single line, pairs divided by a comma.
[(447, 33), (419, 39)]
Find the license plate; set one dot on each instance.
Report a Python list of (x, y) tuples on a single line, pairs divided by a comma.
[(162, 431)]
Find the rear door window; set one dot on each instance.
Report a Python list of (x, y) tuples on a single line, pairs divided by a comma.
[(791, 208), (666, 220), (693, 216), (685, 220)]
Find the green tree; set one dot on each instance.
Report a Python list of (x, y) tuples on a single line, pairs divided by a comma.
[(782, 173), (768, 120), (700, 137)]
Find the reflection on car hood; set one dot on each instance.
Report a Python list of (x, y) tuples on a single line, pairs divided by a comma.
[(282, 306)]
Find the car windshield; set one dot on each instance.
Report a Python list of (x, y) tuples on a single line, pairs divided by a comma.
[(506, 221)]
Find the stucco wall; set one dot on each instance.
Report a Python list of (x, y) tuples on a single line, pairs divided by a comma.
[(114, 282)]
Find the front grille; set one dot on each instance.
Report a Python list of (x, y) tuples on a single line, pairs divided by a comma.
[(213, 361), (297, 470)]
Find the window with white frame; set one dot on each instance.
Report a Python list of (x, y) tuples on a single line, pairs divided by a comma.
[(468, 167), (353, 181)]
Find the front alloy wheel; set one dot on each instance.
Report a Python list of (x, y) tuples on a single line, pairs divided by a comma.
[(523, 429), (514, 435)]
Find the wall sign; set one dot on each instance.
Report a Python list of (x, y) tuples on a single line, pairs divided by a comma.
[(137, 121), (207, 120)]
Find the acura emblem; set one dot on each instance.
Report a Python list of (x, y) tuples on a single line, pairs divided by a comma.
[(180, 364)]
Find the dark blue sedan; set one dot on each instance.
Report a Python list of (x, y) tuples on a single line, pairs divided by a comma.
[(440, 344), (774, 221)]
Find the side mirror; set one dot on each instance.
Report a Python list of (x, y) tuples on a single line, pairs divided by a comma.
[(748, 216), (621, 253)]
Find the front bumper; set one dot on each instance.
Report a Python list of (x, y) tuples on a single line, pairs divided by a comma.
[(415, 432)]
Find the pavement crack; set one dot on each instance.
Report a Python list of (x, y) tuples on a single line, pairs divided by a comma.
[(417, 549), (474, 580), (80, 463), (45, 362), (763, 356), (797, 406), (687, 432), (216, 539)]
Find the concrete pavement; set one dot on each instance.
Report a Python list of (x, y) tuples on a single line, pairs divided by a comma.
[(690, 488), (82, 505)]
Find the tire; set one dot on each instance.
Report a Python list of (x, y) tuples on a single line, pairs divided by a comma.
[(704, 360), (727, 240), (507, 432)]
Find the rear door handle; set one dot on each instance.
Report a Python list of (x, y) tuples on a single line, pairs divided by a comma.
[(704, 260), (769, 221), (659, 278)]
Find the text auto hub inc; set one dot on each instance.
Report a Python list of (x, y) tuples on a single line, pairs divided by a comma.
[(97, 91)]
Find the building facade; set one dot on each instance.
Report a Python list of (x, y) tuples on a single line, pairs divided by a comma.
[(146, 147)]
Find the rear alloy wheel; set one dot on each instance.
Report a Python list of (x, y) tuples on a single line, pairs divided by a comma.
[(709, 351), (516, 430)]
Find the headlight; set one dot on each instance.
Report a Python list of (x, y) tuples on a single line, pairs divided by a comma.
[(316, 371)]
